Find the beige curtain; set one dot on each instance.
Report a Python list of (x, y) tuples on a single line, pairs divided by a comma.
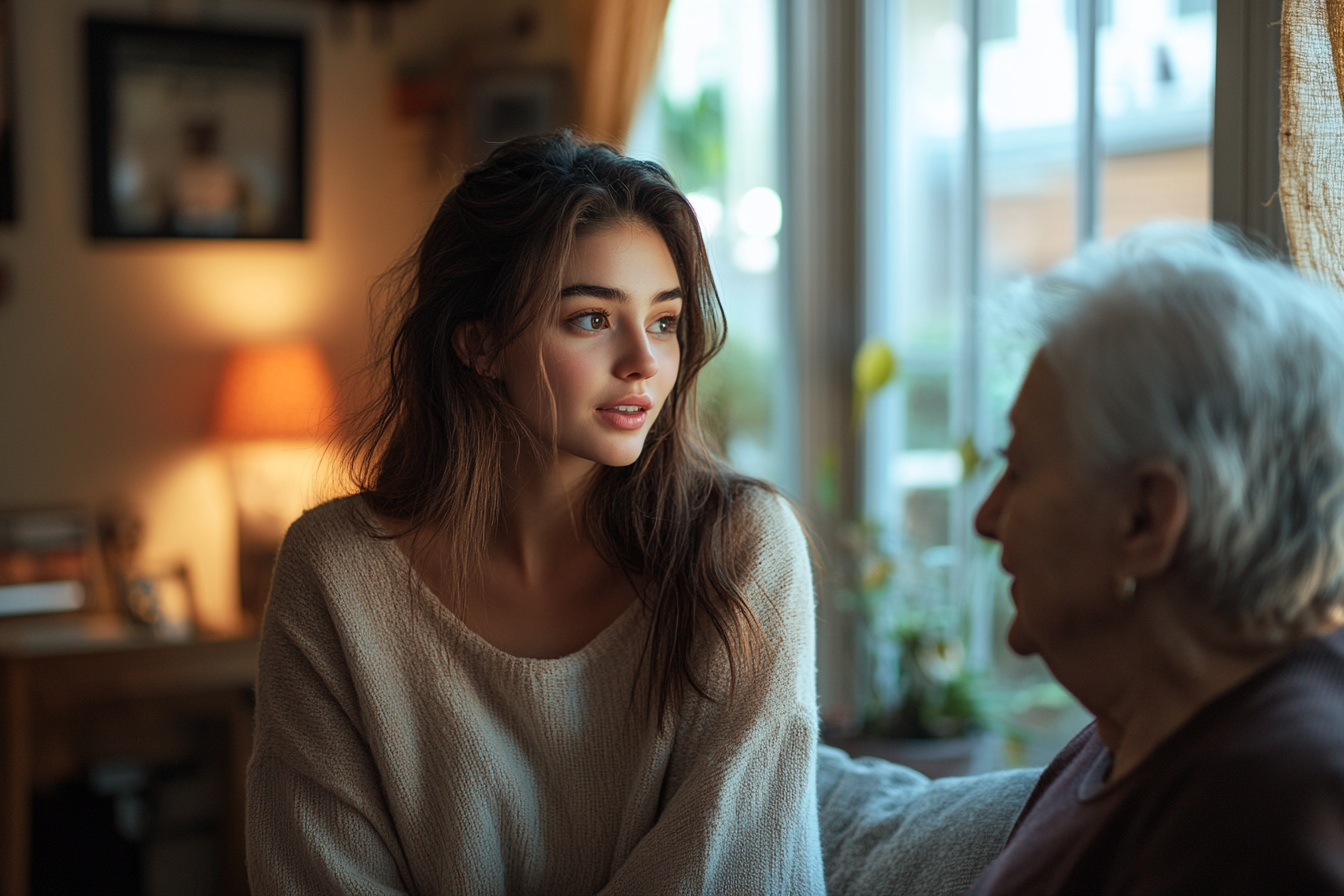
[(615, 49), (1311, 135)]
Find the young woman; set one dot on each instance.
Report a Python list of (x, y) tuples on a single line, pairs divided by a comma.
[(554, 645)]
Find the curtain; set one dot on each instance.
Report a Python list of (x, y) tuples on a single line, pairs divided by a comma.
[(615, 48), (1311, 136)]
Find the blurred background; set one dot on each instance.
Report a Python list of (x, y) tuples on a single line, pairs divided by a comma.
[(198, 195)]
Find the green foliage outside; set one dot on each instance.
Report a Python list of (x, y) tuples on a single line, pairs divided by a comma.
[(692, 140), (735, 392)]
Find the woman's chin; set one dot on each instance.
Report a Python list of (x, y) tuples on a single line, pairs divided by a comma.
[(1018, 639), (623, 456)]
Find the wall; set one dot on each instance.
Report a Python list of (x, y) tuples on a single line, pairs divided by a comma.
[(109, 351)]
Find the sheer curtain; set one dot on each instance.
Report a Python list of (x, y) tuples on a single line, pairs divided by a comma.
[(1311, 136), (615, 49)]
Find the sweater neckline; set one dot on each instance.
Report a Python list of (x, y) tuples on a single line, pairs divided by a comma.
[(604, 642)]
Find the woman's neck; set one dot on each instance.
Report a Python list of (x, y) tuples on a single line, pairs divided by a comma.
[(542, 589), (542, 518), (1171, 662)]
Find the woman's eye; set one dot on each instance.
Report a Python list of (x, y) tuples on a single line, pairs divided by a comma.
[(591, 322), (664, 326)]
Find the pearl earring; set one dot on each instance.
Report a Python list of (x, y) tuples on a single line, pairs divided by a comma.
[(1127, 588)]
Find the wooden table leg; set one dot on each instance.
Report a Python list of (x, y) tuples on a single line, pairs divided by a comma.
[(16, 798)]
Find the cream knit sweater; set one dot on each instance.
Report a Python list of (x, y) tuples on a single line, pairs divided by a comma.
[(398, 752)]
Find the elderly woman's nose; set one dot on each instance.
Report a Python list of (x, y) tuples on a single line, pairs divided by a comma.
[(987, 517)]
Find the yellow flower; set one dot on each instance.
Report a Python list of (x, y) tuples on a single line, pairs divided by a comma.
[(875, 365), (970, 457)]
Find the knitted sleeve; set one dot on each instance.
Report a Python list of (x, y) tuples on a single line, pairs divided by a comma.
[(317, 820), (739, 811)]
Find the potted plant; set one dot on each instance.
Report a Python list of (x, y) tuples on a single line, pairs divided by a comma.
[(921, 704)]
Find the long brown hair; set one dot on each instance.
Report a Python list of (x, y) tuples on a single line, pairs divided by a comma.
[(427, 451)]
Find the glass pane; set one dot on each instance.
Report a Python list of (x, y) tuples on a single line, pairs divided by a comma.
[(1155, 101), (927, 274), (711, 118), (928, 411), (925, 280), (1028, 108), (928, 518)]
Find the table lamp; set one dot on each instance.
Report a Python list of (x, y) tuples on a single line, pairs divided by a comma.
[(275, 403)]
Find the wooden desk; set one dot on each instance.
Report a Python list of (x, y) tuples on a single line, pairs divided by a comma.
[(56, 674)]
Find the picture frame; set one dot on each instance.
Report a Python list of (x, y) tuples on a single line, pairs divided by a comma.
[(505, 103), (165, 600), (195, 133)]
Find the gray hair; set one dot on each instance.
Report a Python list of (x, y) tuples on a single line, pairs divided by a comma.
[(1180, 345)]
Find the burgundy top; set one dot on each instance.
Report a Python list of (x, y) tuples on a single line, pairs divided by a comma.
[(1246, 797)]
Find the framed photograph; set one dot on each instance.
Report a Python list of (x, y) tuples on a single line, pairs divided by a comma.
[(507, 103), (164, 600), (194, 133)]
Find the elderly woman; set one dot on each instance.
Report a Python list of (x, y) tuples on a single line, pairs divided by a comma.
[(1172, 516)]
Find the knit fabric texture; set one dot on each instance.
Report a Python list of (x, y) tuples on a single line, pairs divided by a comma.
[(886, 830), (398, 752)]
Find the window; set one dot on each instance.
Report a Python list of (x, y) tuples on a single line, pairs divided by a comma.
[(1001, 149), (711, 118)]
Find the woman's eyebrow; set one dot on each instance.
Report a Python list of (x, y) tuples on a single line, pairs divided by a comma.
[(612, 294)]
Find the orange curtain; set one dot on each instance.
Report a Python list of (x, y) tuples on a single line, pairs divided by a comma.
[(615, 49), (1311, 135)]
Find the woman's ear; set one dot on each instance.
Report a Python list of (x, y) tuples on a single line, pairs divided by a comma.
[(1157, 505), (472, 344)]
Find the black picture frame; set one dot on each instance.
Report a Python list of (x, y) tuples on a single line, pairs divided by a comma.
[(195, 133)]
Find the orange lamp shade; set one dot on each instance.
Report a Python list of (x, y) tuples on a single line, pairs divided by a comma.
[(275, 391)]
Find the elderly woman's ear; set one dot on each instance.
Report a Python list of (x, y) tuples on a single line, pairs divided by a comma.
[(1154, 512)]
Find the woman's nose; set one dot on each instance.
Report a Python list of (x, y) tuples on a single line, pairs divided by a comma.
[(637, 360), (987, 517)]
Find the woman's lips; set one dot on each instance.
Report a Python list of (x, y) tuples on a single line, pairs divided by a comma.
[(624, 416), (629, 413)]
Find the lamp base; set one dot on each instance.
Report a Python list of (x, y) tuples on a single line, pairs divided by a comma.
[(256, 563)]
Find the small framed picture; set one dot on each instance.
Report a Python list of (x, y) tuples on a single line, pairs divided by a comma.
[(195, 133), (514, 102), (165, 601)]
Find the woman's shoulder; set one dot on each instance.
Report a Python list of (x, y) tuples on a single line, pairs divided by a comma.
[(336, 516), (339, 526), (776, 561), (769, 525), (335, 555)]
